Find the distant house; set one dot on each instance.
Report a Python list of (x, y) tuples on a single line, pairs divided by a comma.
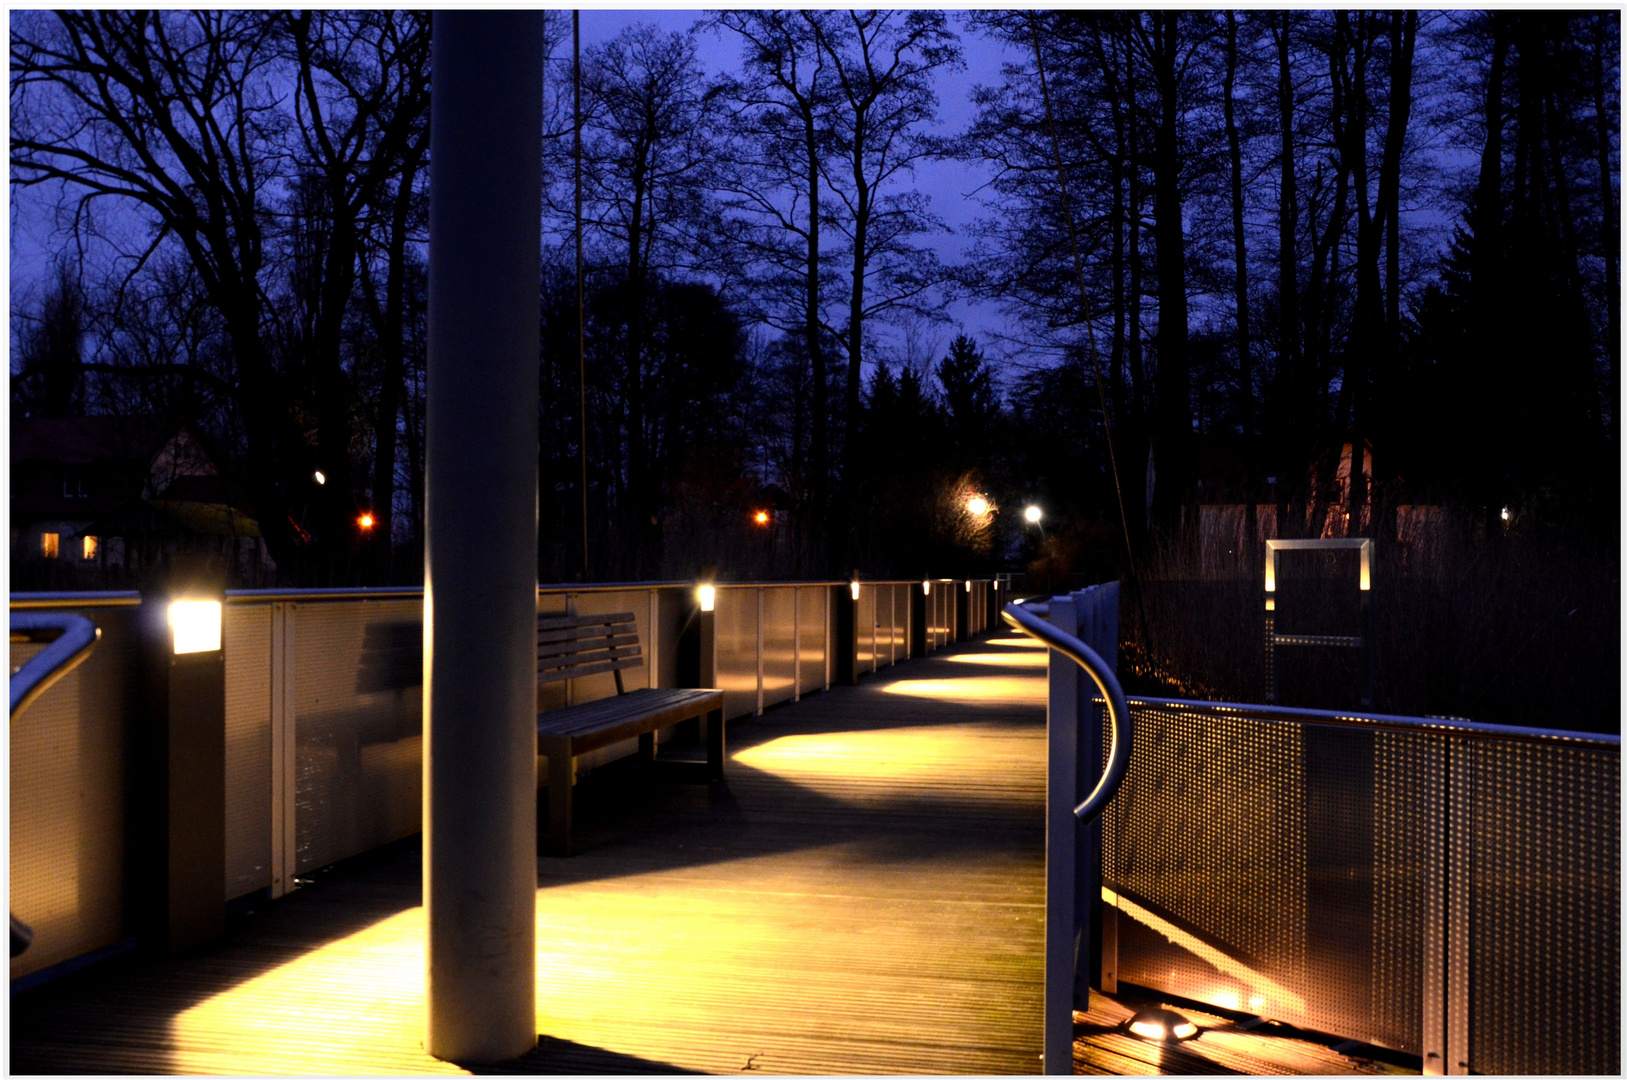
[(96, 501)]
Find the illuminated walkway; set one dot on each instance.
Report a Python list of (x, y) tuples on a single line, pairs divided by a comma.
[(863, 897)]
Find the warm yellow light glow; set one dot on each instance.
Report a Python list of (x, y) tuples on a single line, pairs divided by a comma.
[(707, 596), (855, 588), (1148, 1030), (1026, 659), (1220, 961), (760, 517), (975, 689), (195, 625), (926, 588), (90, 547), (977, 506), (1024, 642), (1270, 571), (968, 586), (1505, 513), (48, 544), (1032, 514), (1256, 1002), (365, 521), (1270, 603), (1224, 1000), (320, 479), (1185, 1030), (1366, 567)]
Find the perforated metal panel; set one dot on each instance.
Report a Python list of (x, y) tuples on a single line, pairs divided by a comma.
[(815, 601), (1544, 925), (1303, 871), (779, 644), (735, 650), (67, 827), (358, 727), (247, 630)]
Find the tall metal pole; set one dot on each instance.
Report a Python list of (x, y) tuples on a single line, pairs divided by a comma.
[(480, 552), (581, 339)]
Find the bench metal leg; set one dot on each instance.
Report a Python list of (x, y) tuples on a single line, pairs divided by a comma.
[(646, 747), (561, 779), (714, 746)]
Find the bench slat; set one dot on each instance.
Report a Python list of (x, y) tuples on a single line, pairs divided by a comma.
[(566, 648), (582, 670), (589, 656), (566, 621), (581, 728), (581, 633)]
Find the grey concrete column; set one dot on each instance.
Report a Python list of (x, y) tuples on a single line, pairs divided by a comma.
[(480, 555)]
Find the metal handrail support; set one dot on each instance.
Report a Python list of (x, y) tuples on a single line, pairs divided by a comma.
[(1067, 927), (72, 638)]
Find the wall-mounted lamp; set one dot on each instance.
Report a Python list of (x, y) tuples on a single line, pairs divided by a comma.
[(926, 588), (968, 586), (194, 626), (855, 587), (707, 595)]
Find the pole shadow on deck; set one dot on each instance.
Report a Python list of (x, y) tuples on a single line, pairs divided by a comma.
[(480, 582)]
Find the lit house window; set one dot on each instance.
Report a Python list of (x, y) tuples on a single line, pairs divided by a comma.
[(48, 544), (90, 547)]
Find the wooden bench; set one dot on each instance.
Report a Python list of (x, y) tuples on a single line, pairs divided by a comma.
[(571, 646)]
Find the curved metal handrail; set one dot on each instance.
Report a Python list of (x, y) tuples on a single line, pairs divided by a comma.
[(74, 638), (1118, 711)]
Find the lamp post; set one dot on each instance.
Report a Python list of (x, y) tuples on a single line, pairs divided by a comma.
[(1035, 516)]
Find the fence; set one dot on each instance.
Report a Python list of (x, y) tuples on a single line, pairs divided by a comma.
[(1450, 890), (323, 715)]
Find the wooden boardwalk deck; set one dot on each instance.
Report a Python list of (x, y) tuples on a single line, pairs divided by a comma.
[(864, 896)]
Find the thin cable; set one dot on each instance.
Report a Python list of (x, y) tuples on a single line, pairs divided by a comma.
[(581, 338), (1084, 295)]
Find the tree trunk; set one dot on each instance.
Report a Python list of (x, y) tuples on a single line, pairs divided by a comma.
[(1173, 422), (1245, 370), (1609, 244), (819, 450), (1292, 386)]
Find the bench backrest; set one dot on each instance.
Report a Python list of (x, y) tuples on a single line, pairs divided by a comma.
[(571, 646)]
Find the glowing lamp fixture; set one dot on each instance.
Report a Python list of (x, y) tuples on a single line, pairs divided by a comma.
[(365, 521), (1505, 513), (707, 596), (1032, 515), (855, 587), (977, 506), (968, 586), (195, 626), (760, 517), (320, 479), (1162, 1025), (926, 588)]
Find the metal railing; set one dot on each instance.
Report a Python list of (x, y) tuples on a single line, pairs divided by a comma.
[(1445, 889), (1070, 744), (71, 637)]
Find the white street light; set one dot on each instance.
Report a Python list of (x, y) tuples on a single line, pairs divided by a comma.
[(977, 506), (320, 479), (1033, 514)]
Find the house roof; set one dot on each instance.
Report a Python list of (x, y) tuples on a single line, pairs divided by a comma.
[(83, 440)]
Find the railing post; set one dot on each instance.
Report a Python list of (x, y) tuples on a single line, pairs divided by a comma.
[(480, 564), (179, 784), (847, 632), (1061, 827)]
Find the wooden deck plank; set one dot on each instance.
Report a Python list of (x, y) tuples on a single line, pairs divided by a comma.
[(864, 896)]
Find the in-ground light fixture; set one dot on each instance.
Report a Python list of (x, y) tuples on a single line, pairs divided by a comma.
[(1162, 1025)]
